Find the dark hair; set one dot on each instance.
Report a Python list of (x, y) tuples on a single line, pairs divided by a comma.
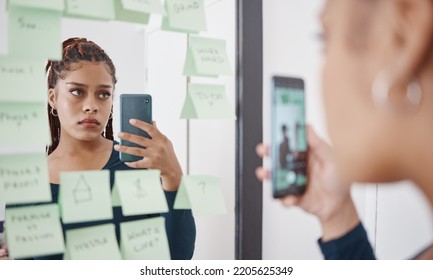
[(74, 51)]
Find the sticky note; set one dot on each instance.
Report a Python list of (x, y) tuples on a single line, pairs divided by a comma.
[(123, 14), (34, 33), (22, 80), (34, 231), (57, 5), (24, 178), (95, 9), (206, 102), (92, 243), (140, 192), (144, 6), (115, 199), (201, 194), (206, 57), (144, 240), (21, 120), (184, 16), (85, 196)]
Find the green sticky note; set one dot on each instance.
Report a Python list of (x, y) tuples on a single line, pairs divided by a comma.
[(95, 9), (34, 231), (128, 15), (57, 5), (22, 80), (140, 192), (144, 240), (206, 102), (21, 120), (92, 243), (115, 199), (85, 196), (24, 178), (206, 57), (201, 194), (184, 16), (4, 239), (144, 6), (34, 33), (66, 255)]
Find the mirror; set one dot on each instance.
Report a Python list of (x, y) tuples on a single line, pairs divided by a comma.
[(151, 60)]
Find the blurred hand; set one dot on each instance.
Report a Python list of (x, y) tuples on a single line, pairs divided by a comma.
[(327, 196), (4, 252), (158, 154)]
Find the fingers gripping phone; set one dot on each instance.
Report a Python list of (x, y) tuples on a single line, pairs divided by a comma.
[(288, 140), (134, 106)]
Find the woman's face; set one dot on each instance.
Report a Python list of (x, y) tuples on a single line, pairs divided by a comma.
[(359, 131), (83, 100)]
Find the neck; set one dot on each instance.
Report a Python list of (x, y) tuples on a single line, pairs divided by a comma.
[(70, 145)]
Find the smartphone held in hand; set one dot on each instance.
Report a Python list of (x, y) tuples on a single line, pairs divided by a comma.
[(288, 139), (134, 106)]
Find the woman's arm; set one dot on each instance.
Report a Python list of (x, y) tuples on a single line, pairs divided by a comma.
[(181, 232)]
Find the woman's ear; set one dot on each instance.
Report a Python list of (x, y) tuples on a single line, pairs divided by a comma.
[(52, 97), (412, 30)]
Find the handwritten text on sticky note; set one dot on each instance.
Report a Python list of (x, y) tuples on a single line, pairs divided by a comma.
[(20, 120), (185, 16), (207, 102), (24, 178), (34, 33), (93, 243), (22, 80), (34, 231), (206, 57), (144, 240)]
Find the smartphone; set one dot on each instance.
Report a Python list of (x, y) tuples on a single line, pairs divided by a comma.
[(134, 106), (288, 140)]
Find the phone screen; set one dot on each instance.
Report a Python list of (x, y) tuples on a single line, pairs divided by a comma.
[(289, 141)]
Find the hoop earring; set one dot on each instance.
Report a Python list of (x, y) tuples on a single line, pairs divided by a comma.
[(52, 112), (380, 93), (111, 115)]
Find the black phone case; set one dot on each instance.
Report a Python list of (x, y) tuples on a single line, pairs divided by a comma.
[(134, 106), (290, 82)]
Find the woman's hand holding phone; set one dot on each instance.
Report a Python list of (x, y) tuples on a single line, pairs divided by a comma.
[(157, 154), (327, 195), (4, 251)]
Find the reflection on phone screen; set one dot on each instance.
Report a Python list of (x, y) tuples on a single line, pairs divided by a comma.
[(290, 143)]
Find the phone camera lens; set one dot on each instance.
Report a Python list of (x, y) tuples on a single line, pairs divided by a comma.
[(147, 100)]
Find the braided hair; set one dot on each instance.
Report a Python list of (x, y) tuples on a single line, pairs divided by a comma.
[(74, 51)]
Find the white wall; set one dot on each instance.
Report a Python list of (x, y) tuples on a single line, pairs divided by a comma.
[(211, 144), (397, 218)]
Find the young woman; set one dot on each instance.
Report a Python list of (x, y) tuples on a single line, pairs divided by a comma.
[(81, 88), (378, 98)]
